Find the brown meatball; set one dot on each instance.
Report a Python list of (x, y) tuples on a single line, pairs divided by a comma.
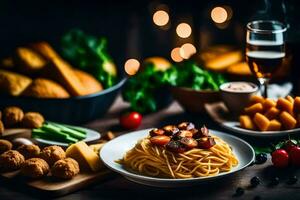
[(51, 154), (5, 145), (33, 120), (1, 127), (35, 168), (11, 160), (66, 168), (29, 151), (12, 116)]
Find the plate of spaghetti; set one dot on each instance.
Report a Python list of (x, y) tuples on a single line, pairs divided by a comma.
[(176, 155)]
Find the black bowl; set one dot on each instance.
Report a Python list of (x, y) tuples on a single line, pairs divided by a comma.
[(74, 110)]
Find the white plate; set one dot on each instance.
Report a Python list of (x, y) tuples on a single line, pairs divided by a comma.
[(220, 114), (116, 148), (91, 135)]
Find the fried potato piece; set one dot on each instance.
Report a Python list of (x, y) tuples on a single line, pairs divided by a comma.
[(5, 145), (62, 72), (51, 154), (12, 116), (287, 120), (45, 50), (89, 82), (268, 103), (272, 113), (255, 108), (33, 120), (12, 83), (28, 61), (29, 151), (65, 168), (297, 105), (35, 168), (7, 63), (1, 128), (241, 68), (246, 122), (261, 121), (45, 88), (274, 125), (285, 105), (11, 160), (290, 99), (221, 62), (256, 99)]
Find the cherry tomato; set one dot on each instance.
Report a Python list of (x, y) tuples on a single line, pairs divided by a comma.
[(160, 140), (288, 146), (294, 155), (280, 158), (131, 120)]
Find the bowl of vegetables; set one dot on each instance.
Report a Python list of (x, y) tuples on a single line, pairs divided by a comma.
[(193, 87), (70, 101)]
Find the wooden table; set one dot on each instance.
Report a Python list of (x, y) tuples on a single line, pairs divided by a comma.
[(117, 187)]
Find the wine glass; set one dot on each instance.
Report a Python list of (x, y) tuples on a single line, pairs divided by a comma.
[(265, 49)]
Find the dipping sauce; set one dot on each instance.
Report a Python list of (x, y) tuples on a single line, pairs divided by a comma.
[(239, 87)]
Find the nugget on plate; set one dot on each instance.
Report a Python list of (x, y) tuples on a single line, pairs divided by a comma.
[(11, 160), (35, 168), (51, 154), (29, 151), (33, 120), (5, 145), (65, 168), (12, 116)]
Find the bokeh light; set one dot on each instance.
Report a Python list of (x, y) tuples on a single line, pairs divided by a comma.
[(175, 55), (161, 18), (183, 30), (219, 15), (229, 12), (187, 50), (132, 66)]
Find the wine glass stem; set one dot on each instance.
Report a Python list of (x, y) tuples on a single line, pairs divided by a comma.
[(264, 83)]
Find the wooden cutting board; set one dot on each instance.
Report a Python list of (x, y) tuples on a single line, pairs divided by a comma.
[(56, 187)]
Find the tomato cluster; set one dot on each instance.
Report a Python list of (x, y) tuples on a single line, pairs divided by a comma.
[(182, 137), (289, 154)]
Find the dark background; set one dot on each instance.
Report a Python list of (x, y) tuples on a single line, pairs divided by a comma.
[(128, 24)]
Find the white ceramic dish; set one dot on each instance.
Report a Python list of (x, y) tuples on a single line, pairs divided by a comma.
[(91, 135), (221, 115), (116, 148)]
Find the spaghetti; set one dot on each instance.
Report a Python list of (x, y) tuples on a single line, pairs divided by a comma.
[(157, 161)]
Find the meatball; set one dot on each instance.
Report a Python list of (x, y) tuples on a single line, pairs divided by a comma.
[(35, 168), (51, 154), (5, 145), (65, 168), (33, 120), (1, 127), (12, 116), (29, 151), (11, 160)]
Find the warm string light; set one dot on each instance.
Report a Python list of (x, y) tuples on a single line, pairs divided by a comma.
[(183, 30), (219, 15), (178, 54), (175, 55), (161, 18), (132, 66), (187, 50)]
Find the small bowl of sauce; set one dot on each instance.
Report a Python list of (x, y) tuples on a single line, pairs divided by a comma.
[(236, 95)]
